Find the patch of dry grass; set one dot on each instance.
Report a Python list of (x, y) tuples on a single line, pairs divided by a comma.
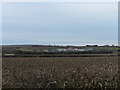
[(60, 72)]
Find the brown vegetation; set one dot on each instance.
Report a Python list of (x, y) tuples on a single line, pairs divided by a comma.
[(60, 72)]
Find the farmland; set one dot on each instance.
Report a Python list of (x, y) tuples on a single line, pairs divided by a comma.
[(60, 72), (58, 51)]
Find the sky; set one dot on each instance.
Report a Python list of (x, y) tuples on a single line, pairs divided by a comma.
[(0, 23), (60, 23), (59, 0)]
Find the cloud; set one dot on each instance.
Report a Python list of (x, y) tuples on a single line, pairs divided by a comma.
[(59, 23), (59, 1)]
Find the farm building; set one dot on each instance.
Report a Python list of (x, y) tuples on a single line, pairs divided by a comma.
[(58, 50), (88, 49), (70, 49), (82, 50), (9, 54), (45, 51), (75, 49)]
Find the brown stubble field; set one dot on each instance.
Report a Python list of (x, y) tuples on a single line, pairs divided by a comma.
[(60, 72)]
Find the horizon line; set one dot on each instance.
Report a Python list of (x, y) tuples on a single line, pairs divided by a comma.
[(65, 44)]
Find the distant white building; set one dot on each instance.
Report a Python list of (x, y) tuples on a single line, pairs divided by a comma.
[(81, 50), (71, 50), (85, 49), (75, 49), (45, 51), (88, 49), (9, 54), (61, 50)]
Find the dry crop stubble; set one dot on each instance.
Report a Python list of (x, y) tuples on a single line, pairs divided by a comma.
[(60, 72)]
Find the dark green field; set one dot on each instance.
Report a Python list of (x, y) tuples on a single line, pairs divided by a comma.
[(60, 72)]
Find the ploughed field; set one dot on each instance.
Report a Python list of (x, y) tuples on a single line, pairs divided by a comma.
[(60, 72)]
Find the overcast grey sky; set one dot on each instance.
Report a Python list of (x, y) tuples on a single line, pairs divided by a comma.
[(60, 23)]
